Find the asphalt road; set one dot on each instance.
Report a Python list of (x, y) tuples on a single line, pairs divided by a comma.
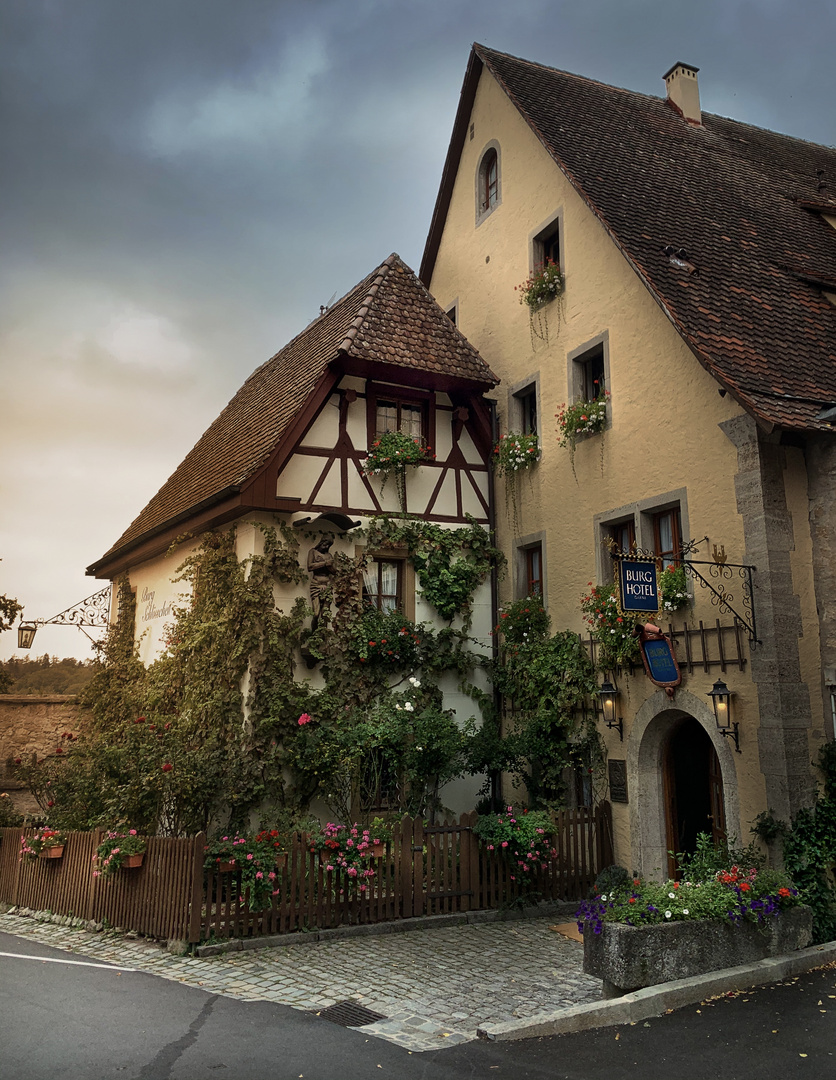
[(79, 1020)]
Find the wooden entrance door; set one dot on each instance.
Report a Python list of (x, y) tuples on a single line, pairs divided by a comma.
[(692, 788)]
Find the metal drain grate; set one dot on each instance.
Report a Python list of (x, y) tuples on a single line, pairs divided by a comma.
[(349, 1014)]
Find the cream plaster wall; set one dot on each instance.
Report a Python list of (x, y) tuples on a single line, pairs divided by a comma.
[(156, 594), (663, 432)]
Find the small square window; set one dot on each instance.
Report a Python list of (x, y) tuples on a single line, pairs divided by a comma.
[(401, 410), (667, 536), (527, 404), (590, 382), (623, 536), (383, 584), (534, 570), (547, 248), (380, 783), (404, 416)]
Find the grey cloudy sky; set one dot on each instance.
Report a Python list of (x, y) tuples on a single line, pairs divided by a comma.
[(184, 182)]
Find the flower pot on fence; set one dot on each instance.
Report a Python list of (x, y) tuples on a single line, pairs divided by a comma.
[(377, 850), (131, 861), (630, 957), (52, 852), (226, 867)]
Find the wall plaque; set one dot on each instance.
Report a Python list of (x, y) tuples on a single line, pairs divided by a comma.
[(618, 780)]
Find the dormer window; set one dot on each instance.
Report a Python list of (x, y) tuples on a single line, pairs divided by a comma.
[(400, 409)]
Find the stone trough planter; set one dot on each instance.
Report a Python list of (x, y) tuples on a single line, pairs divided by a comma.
[(630, 957)]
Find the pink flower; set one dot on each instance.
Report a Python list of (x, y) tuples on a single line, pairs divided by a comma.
[(305, 718)]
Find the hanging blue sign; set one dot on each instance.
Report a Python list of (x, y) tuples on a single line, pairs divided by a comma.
[(638, 589), (659, 661)]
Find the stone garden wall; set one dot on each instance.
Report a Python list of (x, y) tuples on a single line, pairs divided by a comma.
[(31, 725)]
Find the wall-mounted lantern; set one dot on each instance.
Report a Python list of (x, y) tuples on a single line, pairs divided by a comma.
[(609, 704), (26, 635), (721, 700)]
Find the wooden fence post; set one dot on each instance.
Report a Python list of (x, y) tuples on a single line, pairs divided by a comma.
[(90, 910), (417, 862), (196, 887)]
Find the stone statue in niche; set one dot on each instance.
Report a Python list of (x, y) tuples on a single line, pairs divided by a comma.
[(320, 567)]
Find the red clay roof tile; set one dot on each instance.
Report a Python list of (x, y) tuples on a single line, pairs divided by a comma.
[(737, 198), (389, 317)]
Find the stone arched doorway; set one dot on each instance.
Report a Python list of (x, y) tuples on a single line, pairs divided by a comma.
[(693, 788), (681, 775)]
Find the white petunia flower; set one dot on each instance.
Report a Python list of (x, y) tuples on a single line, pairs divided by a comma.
[(667, 914)]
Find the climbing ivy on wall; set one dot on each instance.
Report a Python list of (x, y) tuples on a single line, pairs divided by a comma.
[(534, 729), (224, 725), (450, 563)]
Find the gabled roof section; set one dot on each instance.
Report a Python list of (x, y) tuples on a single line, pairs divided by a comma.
[(746, 262), (388, 319)]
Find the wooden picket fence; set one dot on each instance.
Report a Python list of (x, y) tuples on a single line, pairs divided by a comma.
[(161, 899), (426, 870)]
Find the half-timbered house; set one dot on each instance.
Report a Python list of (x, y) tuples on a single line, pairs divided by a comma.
[(291, 446)]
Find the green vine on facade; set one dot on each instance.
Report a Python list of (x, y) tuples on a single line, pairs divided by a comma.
[(450, 563), (539, 731)]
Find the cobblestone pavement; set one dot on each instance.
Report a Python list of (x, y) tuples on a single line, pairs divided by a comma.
[(434, 987)]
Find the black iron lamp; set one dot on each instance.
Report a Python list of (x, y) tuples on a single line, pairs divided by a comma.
[(26, 635), (721, 700), (609, 704)]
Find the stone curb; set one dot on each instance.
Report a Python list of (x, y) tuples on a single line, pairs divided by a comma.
[(555, 909), (656, 1000)]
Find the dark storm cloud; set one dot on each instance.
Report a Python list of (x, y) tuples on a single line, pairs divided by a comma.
[(186, 181)]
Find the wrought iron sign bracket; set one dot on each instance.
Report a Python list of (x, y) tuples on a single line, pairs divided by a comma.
[(720, 595), (94, 611), (720, 571)]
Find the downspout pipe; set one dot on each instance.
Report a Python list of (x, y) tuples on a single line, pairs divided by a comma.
[(495, 776)]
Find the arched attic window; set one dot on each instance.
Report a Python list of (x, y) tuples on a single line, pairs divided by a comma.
[(487, 185)]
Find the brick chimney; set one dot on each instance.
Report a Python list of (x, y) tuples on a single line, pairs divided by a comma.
[(684, 91)]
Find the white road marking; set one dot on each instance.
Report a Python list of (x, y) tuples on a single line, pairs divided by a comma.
[(57, 960)]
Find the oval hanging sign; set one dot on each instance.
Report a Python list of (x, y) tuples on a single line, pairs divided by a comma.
[(659, 661)]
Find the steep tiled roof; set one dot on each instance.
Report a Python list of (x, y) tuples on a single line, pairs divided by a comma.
[(388, 318), (743, 203)]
